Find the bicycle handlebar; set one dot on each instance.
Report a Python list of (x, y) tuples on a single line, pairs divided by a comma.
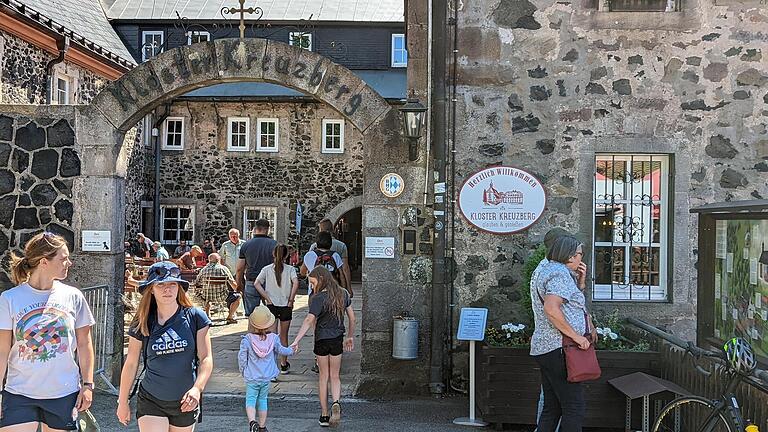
[(695, 351)]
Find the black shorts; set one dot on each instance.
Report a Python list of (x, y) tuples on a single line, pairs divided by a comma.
[(283, 313), (334, 347), (148, 405), (56, 413)]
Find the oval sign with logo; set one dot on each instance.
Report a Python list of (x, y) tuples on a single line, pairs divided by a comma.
[(392, 185), (502, 199)]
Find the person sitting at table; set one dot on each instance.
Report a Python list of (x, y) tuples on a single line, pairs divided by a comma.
[(161, 254), (145, 245), (217, 293), (181, 249), (187, 260), (209, 247)]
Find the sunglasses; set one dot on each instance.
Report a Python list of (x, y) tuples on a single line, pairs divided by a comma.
[(164, 272)]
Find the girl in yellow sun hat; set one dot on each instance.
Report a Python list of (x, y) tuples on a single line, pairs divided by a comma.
[(258, 364)]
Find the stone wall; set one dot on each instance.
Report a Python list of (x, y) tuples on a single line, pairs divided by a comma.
[(23, 76), (220, 183), (545, 85), (38, 167)]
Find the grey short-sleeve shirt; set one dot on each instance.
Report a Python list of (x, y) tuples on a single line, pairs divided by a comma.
[(554, 278)]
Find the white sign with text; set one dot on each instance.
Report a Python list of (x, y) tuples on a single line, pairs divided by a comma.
[(379, 247), (502, 200), (96, 241)]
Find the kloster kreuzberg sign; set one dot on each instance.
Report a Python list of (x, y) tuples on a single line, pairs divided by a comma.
[(502, 199)]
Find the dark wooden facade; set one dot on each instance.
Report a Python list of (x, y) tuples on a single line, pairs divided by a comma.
[(356, 47), (508, 386)]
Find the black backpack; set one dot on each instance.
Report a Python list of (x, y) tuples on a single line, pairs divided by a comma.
[(326, 260)]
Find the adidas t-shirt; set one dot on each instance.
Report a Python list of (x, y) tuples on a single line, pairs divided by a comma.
[(42, 363), (171, 353)]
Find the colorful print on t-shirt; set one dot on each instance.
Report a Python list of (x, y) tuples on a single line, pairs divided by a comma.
[(43, 330)]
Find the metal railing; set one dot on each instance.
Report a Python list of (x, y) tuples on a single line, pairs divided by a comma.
[(98, 301)]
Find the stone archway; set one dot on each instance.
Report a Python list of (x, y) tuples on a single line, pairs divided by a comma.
[(345, 206), (101, 127)]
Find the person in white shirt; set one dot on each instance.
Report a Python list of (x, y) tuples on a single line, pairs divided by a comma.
[(279, 293), (49, 361)]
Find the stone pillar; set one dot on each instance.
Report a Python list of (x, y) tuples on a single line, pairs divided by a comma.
[(394, 286), (100, 200)]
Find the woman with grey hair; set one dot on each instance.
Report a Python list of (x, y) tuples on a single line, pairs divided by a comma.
[(559, 308)]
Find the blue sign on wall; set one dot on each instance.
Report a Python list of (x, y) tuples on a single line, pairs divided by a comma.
[(472, 324)]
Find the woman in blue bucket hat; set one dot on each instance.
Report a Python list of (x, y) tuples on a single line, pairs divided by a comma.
[(172, 337)]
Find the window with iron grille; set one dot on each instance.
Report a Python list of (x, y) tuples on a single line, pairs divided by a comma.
[(253, 213), (178, 224), (631, 225)]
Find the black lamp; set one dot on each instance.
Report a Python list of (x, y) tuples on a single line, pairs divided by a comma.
[(413, 119)]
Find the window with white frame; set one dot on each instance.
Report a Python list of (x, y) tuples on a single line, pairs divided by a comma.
[(238, 129), (173, 133), (61, 91), (333, 136), (267, 135), (198, 36), (151, 44), (178, 223), (631, 226), (399, 52), (300, 39), (253, 213)]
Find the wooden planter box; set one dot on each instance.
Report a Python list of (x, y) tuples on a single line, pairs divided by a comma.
[(509, 382)]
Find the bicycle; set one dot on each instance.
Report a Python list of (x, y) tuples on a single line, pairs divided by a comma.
[(694, 413)]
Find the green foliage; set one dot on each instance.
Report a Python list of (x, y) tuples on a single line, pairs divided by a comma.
[(509, 335), (525, 287), (610, 334)]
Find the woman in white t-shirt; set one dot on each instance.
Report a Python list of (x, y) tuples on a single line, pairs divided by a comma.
[(45, 341), (279, 293)]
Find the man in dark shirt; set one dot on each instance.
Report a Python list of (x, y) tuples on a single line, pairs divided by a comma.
[(254, 255)]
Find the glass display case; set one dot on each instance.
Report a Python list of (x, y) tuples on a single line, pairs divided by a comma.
[(733, 273)]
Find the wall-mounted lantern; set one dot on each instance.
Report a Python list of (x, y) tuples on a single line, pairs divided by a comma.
[(414, 115)]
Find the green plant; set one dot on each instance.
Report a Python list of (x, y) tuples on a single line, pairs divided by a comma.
[(508, 335), (529, 266), (610, 334)]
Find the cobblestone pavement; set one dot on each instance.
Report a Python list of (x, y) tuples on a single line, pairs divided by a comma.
[(226, 378), (299, 414), (301, 381)]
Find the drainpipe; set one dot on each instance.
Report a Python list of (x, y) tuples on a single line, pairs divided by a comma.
[(451, 157), (156, 143), (63, 46), (438, 340)]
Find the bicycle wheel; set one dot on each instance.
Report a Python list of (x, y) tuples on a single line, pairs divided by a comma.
[(687, 414)]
